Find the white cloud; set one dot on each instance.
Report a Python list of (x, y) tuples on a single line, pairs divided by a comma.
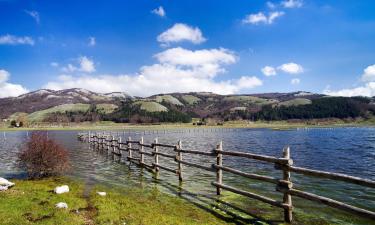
[(181, 32), (54, 64), (292, 3), (159, 11), (295, 81), (14, 40), (268, 71), (292, 68), (92, 41), (85, 65), (260, 18), (248, 82), (366, 90), (274, 15), (369, 73), (177, 70), (8, 89), (271, 5), (34, 15)]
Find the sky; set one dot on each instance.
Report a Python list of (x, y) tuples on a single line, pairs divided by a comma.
[(148, 47)]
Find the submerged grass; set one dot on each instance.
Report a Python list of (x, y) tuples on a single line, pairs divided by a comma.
[(33, 202)]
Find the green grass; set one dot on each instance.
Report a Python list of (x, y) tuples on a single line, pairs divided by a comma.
[(249, 100), (296, 102), (33, 202), (40, 115), (106, 108), (151, 106), (191, 99), (169, 99)]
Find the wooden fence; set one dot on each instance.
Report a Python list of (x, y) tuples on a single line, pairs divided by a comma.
[(114, 145)]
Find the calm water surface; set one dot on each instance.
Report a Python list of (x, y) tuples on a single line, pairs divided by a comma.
[(344, 150)]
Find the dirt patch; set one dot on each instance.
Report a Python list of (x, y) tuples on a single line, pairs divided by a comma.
[(30, 217)]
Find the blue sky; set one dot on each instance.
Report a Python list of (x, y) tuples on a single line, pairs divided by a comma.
[(228, 47)]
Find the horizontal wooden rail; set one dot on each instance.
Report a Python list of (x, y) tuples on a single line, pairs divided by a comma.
[(257, 157), (332, 203), (208, 168), (164, 154), (333, 176), (146, 153), (248, 175), (251, 195), (165, 168), (163, 145), (195, 152), (146, 145)]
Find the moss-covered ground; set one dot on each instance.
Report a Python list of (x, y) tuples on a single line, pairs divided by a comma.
[(33, 202)]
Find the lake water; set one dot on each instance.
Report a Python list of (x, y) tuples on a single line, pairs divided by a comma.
[(345, 150)]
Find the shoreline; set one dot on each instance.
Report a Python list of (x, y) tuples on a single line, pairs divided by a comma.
[(276, 125)]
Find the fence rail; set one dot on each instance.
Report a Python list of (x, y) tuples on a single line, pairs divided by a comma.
[(284, 184)]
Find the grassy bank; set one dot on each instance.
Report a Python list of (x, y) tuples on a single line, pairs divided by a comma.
[(231, 124), (33, 202)]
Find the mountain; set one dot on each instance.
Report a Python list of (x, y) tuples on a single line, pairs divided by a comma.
[(44, 99), (78, 105)]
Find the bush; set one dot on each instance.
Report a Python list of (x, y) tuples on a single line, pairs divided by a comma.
[(43, 157)]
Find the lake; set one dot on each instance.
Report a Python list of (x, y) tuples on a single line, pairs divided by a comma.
[(345, 150)]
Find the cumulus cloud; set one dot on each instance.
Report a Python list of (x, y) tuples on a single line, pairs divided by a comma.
[(369, 73), (177, 70), (291, 68), (54, 64), (85, 65), (295, 81), (8, 89), (367, 89), (159, 11), (271, 5), (181, 32), (92, 41), (292, 3), (261, 18), (34, 15), (268, 71), (14, 40)]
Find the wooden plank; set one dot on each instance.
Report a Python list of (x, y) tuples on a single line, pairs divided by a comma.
[(251, 195), (333, 176), (165, 155), (264, 158), (333, 203), (248, 175), (147, 153), (146, 145), (156, 156), (196, 152), (164, 145), (141, 151), (165, 168), (196, 165)]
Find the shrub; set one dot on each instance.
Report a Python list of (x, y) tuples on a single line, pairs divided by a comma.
[(43, 157)]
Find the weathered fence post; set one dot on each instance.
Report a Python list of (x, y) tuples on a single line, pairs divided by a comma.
[(219, 162), (179, 157), (287, 199), (113, 145), (119, 146), (141, 152), (156, 156), (130, 154)]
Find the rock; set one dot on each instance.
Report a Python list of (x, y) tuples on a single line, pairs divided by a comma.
[(62, 189), (61, 205), (5, 184), (3, 188), (101, 193)]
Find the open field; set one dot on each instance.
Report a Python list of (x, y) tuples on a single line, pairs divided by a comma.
[(278, 125), (33, 201)]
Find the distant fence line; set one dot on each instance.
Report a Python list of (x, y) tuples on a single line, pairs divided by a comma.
[(114, 145)]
